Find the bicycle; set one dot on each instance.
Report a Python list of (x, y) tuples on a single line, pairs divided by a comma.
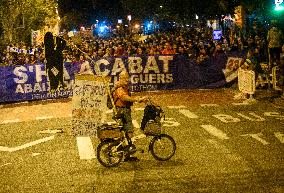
[(111, 151)]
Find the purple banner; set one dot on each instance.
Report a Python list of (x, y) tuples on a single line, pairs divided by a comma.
[(147, 73)]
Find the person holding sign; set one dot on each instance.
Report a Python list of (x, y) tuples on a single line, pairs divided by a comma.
[(123, 102)]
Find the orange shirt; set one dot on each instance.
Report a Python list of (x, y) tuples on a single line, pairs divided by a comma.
[(167, 51), (118, 96)]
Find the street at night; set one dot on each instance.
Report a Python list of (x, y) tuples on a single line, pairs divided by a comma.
[(223, 145), (139, 96)]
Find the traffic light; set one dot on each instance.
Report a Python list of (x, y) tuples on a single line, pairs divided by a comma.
[(239, 16)]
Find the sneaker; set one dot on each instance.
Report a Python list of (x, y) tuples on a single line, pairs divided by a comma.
[(131, 158)]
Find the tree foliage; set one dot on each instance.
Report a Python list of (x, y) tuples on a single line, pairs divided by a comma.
[(19, 17)]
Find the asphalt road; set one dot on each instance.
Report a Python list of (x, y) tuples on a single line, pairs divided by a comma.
[(223, 145)]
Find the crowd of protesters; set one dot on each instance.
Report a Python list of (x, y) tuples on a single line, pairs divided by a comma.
[(194, 43)]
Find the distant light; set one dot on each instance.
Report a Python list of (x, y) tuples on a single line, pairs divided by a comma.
[(279, 8), (117, 26), (129, 17), (137, 26), (102, 29), (196, 16), (161, 6), (97, 21), (126, 25), (83, 28), (119, 21)]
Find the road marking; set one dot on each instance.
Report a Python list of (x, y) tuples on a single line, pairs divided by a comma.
[(35, 154), (279, 136), (209, 105), (85, 148), (188, 114), (26, 145), (258, 118), (51, 131), (6, 164), (215, 132), (169, 122), (176, 107), (44, 117), (226, 118), (11, 121), (257, 137)]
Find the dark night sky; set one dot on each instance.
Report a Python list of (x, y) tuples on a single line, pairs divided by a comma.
[(102, 9)]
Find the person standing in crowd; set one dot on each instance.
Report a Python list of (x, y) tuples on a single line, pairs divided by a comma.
[(123, 102), (85, 67), (168, 49), (274, 46)]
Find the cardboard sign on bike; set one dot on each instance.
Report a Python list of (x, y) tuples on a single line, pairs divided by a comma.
[(246, 81), (88, 104)]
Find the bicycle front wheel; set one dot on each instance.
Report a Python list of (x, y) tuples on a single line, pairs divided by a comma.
[(108, 155), (162, 147)]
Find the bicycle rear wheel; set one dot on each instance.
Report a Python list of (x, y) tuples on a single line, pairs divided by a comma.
[(108, 155), (162, 147)]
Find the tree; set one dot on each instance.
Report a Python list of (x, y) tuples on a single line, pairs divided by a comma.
[(19, 17)]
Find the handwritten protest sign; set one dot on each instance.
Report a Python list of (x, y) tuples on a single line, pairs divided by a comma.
[(88, 105), (246, 81)]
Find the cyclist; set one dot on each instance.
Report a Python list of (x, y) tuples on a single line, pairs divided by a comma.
[(123, 102)]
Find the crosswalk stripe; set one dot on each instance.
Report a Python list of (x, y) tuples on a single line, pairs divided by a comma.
[(44, 117), (188, 113), (215, 132), (10, 121), (85, 148)]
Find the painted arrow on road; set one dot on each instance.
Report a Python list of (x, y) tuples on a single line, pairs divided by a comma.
[(13, 149)]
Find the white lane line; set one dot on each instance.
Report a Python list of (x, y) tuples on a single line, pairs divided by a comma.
[(188, 114), (279, 136), (2, 148), (215, 132), (31, 144), (257, 137), (209, 105), (6, 164), (176, 107), (11, 121), (85, 148), (44, 117)]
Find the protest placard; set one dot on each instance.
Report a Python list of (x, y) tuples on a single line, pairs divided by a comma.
[(88, 104), (246, 81)]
